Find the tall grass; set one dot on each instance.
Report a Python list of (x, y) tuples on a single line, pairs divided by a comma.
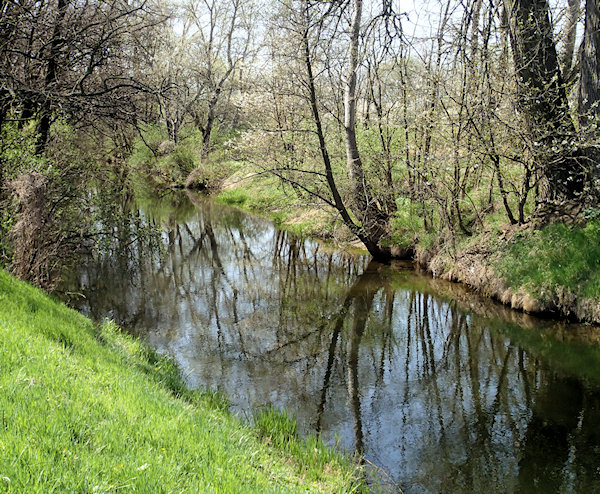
[(89, 409)]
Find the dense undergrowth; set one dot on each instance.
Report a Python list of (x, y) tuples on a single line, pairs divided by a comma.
[(168, 164), (46, 210), (85, 408)]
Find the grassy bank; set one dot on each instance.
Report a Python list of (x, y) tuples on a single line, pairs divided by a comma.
[(554, 269), (85, 408), (289, 209), (556, 256)]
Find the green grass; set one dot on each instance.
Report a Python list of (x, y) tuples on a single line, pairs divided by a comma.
[(406, 224), (267, 196), (559, 255), (260, 194), (85, 408), (234, 197)]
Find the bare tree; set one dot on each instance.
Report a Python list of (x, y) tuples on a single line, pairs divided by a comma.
[(223, 43), (373, 217), (71, 59)]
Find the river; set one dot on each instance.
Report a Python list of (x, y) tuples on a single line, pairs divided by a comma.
[(441, 389)]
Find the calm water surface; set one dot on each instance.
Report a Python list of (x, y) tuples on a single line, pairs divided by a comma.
[(444, 391)]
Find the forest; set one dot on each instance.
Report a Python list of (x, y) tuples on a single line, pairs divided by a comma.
[(419, 130)]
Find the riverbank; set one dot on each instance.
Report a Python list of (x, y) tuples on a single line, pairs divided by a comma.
[(553, 270), (288, 209), (86, 408), (549, 270)]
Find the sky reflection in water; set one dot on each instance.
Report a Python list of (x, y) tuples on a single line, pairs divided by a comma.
[(379, 359)]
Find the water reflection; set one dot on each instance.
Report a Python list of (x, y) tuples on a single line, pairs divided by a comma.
[(375, 358)]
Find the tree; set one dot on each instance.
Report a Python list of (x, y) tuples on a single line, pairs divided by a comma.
[(222, 44), (327, 65), (543, 99), (569, 38), (72, 60), (373, 218), (173, 72), (589, 87)]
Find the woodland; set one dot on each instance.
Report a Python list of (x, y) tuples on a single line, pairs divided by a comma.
[(415, 127)]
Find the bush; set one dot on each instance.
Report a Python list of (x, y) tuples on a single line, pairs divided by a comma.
[(184, 159), (164, 162), (47, 213)]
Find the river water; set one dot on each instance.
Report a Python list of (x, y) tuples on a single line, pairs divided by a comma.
[(442, 390)]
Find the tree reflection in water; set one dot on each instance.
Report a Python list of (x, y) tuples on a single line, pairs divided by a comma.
[(379, 359)]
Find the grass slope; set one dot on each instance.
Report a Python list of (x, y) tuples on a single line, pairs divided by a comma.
[(87, 409), (269, 197), (556, 256)]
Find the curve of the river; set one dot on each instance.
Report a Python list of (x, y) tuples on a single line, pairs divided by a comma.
[(443, 390)]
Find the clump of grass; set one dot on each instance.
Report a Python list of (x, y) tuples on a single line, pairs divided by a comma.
[(559, 255), (234, 197), (261, 194), (276, 427), (89, 409)]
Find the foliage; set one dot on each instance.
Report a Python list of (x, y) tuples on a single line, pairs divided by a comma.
[(17, 151), (406, 224), (56, 206), (90, 409), (166, 163), (43, 202), (65, 61), (17, 155), (154, 156)]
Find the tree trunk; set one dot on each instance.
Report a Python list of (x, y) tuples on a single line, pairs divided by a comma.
[(355, 168), (45, 121), (542, 97), (570, 34), (589, 89), (338, 202), (373, 220), (210, 122), (170, 129), (5, 101), (27, 112)]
